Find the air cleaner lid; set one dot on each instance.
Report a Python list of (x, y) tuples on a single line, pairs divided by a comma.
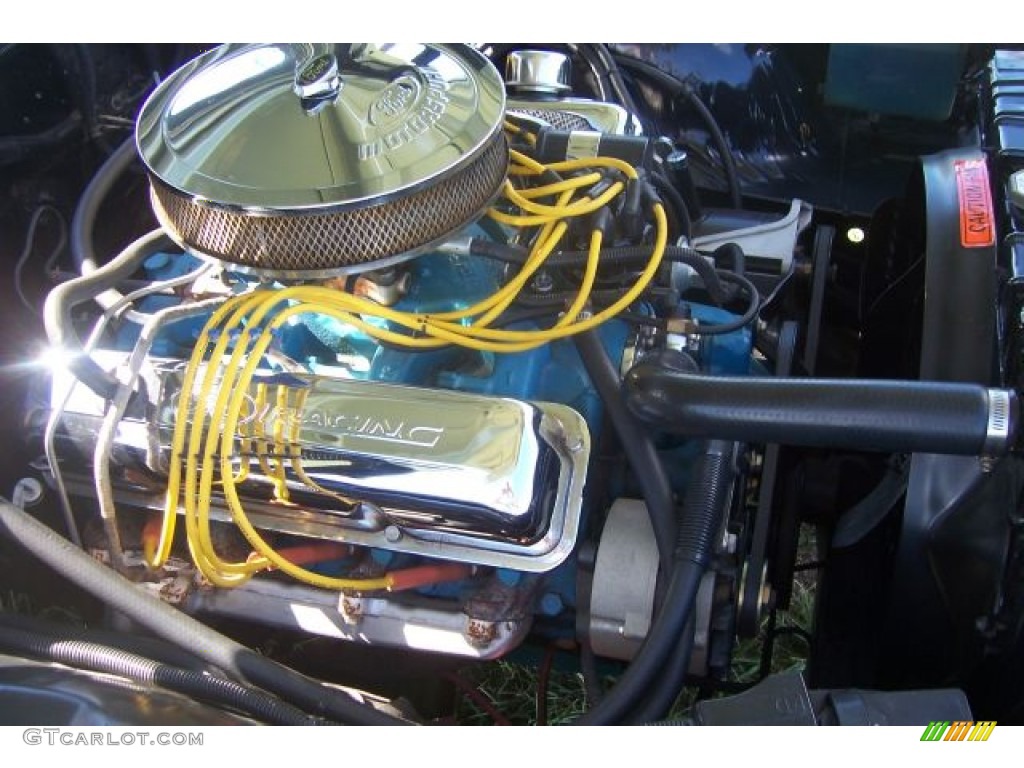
[(319, 127)]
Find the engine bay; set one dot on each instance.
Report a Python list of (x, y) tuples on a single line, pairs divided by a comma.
[(426, 358)]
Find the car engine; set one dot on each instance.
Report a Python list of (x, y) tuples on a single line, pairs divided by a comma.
[(420, 357)]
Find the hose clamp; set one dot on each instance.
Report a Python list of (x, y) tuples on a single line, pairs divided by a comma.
[(1001, 417)]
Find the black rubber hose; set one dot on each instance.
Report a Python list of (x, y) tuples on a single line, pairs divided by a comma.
[(711, 277), (141, 645), (704, 504), (60, 327), (588, 671), (866, 415), (700, 520), (732, 177), (607, 296), (114, 661), (603, 86), (637, 443), (659, 702), (753, 307), (676, 88), (617, 704), (83, 224), (676, 203), (618, 84), (235, 659), (560, 299), (709, 497), (733, 252), (863, 517)]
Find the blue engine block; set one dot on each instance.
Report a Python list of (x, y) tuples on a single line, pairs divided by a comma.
[(552, 372)]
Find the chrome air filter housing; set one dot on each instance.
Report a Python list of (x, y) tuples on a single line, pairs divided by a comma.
[(316, 159)]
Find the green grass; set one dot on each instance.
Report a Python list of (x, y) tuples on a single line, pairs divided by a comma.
[(512, 688), (790, 652)]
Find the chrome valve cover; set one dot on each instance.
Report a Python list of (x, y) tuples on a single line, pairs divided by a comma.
[(485, 480)]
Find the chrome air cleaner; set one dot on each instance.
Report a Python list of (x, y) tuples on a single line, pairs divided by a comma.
[(315, 159)]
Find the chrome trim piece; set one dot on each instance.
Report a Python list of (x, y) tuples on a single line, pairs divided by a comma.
[(575, 114), (999, 427)]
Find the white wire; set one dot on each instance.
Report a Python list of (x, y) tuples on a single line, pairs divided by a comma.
[(114, 414), (30, 243), (58, 412)]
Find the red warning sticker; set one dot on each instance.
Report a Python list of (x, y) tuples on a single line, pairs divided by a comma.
[(977, 222)]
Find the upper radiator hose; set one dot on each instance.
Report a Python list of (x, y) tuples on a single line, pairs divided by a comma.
[(868, 415)]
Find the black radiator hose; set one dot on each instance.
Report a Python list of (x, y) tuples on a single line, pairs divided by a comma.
[(699, 523), (867, 415)]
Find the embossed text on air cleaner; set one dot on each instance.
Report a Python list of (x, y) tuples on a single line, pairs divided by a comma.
[(402, 101)]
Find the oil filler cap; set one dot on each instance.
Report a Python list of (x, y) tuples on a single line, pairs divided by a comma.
[(538, 72)]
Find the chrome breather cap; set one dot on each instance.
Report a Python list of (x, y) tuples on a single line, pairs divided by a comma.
[(309, 159), (542, 72)]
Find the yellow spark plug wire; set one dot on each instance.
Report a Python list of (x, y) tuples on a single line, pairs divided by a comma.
[(211, 429)]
